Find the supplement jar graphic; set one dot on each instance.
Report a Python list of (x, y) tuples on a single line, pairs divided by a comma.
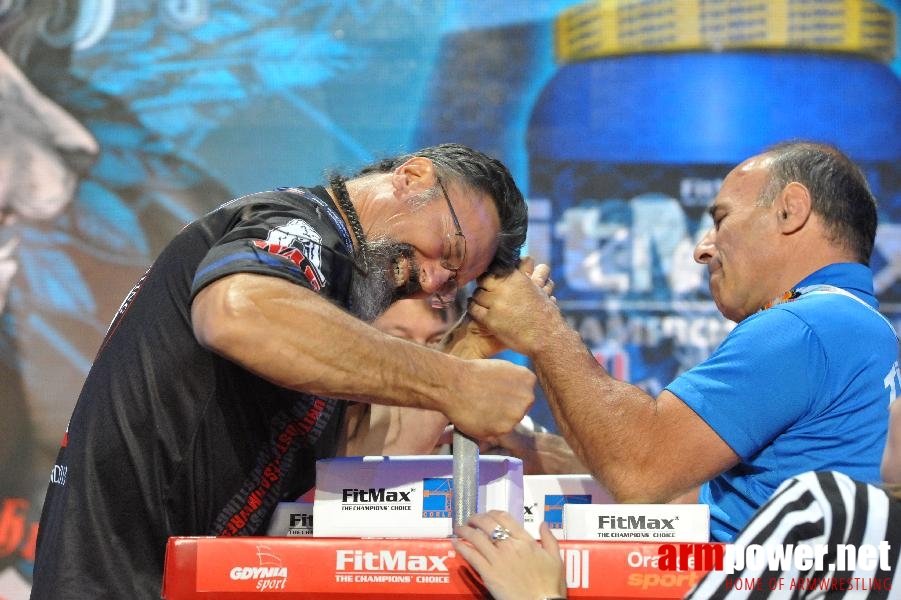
[(654, 101)]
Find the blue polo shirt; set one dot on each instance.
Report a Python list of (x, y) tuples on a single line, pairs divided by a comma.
[(799, 387)]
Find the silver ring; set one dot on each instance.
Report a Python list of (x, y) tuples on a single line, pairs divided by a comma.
[(499, 533)]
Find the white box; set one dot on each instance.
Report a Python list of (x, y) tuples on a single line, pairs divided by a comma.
[(637, 522), (545, 495), (404, 496), (294, 519)]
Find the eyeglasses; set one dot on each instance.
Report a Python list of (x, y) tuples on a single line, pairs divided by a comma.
[(451, 257)]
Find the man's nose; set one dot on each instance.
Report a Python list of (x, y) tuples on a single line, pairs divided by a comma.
[(432, 276), (706, 247)]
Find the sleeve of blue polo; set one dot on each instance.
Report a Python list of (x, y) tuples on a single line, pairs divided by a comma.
[(758, 382)]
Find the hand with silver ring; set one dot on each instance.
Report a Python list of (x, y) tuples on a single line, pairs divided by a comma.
[(499, 533), (521, 567)]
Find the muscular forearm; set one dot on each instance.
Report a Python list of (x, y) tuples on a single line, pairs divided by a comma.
[(618, 431), (395, 430), (579, 396), (642, 449), (299, 340)]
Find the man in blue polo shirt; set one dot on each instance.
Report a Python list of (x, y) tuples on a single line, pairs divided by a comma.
[(802, 383)]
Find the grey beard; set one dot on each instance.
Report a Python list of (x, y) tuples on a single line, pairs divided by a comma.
[(371, 294)]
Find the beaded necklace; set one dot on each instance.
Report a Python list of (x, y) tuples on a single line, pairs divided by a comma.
[(337, 183)]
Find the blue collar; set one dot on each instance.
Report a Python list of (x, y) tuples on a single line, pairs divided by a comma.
[(853, 277)]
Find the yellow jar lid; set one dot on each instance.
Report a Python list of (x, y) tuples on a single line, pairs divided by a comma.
[(615, 27)]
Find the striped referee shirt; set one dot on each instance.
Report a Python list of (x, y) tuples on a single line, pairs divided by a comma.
[(828, 511)]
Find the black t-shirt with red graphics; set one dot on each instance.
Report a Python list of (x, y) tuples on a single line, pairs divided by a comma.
[(170, 439)]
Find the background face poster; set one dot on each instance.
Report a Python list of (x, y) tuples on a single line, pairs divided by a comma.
[(122, 120)]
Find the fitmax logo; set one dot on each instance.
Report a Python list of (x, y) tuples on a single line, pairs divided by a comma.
[(301, 520), (634, 522), (355, 495), (386, 560)]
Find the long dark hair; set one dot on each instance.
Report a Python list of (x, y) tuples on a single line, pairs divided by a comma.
[(478, 171)]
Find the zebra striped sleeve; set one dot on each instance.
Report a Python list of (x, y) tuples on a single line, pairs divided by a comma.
[(823, 510)]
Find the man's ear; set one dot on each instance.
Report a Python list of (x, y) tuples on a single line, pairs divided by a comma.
[(793, 207), (415, 176)]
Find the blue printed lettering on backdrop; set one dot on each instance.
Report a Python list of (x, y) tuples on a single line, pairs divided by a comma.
[(625, 153), (624, 150)]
